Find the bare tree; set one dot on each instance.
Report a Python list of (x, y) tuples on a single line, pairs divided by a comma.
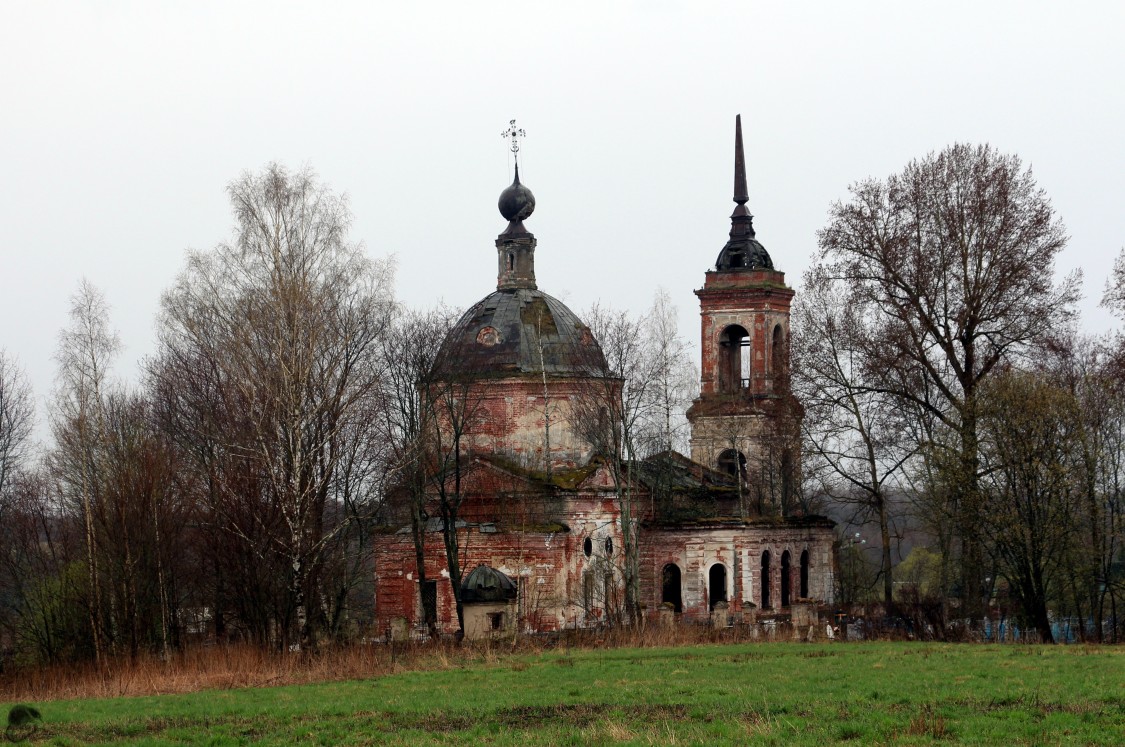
[(17, 419), (953, 258), (633, 407), (673, 376), (610, 414), (857, 440), (1114, 297), (1085, 368), (86, 351), (410, 350), (138, 524), (1031, 499), (43, 585), (451, 395), (283, 326), (115, 476)]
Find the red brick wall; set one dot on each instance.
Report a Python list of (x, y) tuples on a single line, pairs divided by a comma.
[(548, 565)]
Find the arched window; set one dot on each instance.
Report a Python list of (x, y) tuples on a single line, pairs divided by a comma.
[(732, 463), (670, 587), (805, 574), (734, 359), (785, 580), (766, 580), (511, 261), (717, 586)]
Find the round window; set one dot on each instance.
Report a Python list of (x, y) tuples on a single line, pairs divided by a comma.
[(588, 546)]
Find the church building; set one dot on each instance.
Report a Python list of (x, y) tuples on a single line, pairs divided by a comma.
[(554, 527)]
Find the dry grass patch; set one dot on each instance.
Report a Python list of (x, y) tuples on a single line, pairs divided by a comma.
[(928, 723)]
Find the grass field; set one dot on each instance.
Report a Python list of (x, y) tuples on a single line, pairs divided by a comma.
[(900, 693)]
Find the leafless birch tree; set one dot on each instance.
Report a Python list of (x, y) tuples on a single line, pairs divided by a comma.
[(283, 325), (86, 351), (857, 441)]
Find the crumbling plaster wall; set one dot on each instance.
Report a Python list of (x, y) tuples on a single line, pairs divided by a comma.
[(511, 417), (739, 548), (711, 436)]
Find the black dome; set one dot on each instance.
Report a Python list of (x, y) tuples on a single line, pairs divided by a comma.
[(519, 331), (516, 202), (744, 253)]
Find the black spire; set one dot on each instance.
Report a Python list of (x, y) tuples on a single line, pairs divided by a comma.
[(743, 251), (740, 193)]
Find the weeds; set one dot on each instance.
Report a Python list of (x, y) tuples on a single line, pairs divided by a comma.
[(928, 723)]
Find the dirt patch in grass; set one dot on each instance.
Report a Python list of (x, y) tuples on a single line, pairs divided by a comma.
[(1033, 704), (581, 715), (148, 727), (819, 654), (530, 718)]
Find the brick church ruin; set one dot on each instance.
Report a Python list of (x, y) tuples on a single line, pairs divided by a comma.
[(552, 529)]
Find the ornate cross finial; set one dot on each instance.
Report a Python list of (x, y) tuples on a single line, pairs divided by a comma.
[(515, 134)]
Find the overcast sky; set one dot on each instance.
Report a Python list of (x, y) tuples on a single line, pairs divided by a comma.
[(121, 123)]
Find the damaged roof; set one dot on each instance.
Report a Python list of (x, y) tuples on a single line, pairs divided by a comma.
[(486, 584), (518, 331)]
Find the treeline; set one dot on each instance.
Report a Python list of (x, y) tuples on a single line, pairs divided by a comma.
[(231, 495), (949, 392)]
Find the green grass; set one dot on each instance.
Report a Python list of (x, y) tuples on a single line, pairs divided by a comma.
[(901, 693)]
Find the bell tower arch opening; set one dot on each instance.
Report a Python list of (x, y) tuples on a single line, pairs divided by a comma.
[(734, 359)]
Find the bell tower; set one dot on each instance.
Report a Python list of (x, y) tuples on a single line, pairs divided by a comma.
[(745, 421)]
